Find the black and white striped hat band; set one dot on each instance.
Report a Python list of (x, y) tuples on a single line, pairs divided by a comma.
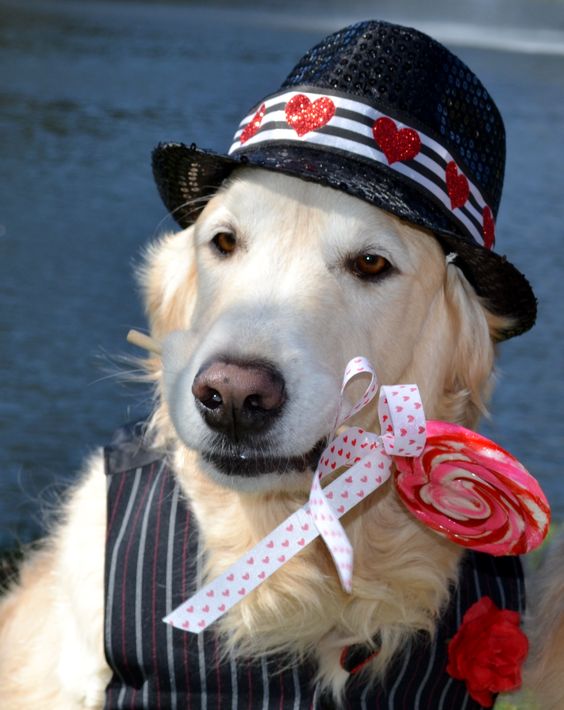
[(348, 126)]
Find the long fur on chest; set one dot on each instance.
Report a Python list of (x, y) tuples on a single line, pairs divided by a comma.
[(401, 582)]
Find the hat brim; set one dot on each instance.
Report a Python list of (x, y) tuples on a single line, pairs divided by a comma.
[(188, 177)]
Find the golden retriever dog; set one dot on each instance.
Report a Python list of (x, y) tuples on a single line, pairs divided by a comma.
[(259, 303), (305, 308)]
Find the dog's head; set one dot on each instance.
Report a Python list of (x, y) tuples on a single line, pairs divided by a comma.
[(264, 300)]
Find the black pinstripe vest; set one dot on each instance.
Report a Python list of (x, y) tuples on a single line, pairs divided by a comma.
[(151, 567)]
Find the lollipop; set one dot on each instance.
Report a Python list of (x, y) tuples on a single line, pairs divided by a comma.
[(473, 492)]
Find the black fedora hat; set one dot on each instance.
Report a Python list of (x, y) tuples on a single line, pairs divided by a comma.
[(389, 115)]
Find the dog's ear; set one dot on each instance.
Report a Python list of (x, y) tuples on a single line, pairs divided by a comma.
[(469, 380), (167, 278)]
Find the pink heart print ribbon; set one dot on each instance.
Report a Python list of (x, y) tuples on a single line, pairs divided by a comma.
[(366, 455), (462, 485)]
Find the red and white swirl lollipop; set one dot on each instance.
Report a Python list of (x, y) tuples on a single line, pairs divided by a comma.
[(473, 492)]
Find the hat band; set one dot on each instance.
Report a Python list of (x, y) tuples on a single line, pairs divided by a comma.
[(342, 124)]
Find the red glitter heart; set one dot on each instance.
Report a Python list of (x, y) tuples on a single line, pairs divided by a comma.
[(252, 127), (488, 228), (396, 144), (457, 186), (304, 115)]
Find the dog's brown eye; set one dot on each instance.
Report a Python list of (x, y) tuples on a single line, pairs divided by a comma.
[(224, 242), (369, 265)]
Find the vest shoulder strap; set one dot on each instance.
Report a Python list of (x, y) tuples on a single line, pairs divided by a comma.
[(130, 448)]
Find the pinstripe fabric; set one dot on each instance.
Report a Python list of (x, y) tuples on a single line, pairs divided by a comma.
[(151, 566)]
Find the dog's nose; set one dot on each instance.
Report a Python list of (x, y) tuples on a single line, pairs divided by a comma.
[(239, 399)]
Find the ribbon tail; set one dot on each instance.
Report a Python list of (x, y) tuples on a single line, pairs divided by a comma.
[(334, 536), (329, 504), (344, 570)]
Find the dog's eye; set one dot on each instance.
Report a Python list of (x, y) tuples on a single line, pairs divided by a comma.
[(367, 266), (225, 242)]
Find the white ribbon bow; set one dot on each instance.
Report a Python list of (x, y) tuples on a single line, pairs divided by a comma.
[(367, 457)]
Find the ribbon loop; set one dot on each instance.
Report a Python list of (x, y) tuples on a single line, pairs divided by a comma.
[(358, 366), (402, 420)]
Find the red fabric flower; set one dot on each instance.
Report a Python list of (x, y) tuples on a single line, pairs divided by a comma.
[(487, 651)]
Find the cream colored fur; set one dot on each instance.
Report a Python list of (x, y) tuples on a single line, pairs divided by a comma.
[(285, 295), (544, 625), (51, 624)]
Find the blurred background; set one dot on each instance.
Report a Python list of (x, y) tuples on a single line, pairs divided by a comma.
[(88, 87)]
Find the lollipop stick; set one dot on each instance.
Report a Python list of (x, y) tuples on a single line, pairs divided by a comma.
[(144, 341)]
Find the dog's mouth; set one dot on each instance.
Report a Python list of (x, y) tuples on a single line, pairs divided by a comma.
[(233, 460)]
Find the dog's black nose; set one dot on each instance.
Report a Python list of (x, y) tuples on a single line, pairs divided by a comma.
[(238, 398)]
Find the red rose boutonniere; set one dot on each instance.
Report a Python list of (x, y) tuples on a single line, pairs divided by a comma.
[(487, 651)]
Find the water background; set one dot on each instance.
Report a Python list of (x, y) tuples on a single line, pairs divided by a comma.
[(87, 88)]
